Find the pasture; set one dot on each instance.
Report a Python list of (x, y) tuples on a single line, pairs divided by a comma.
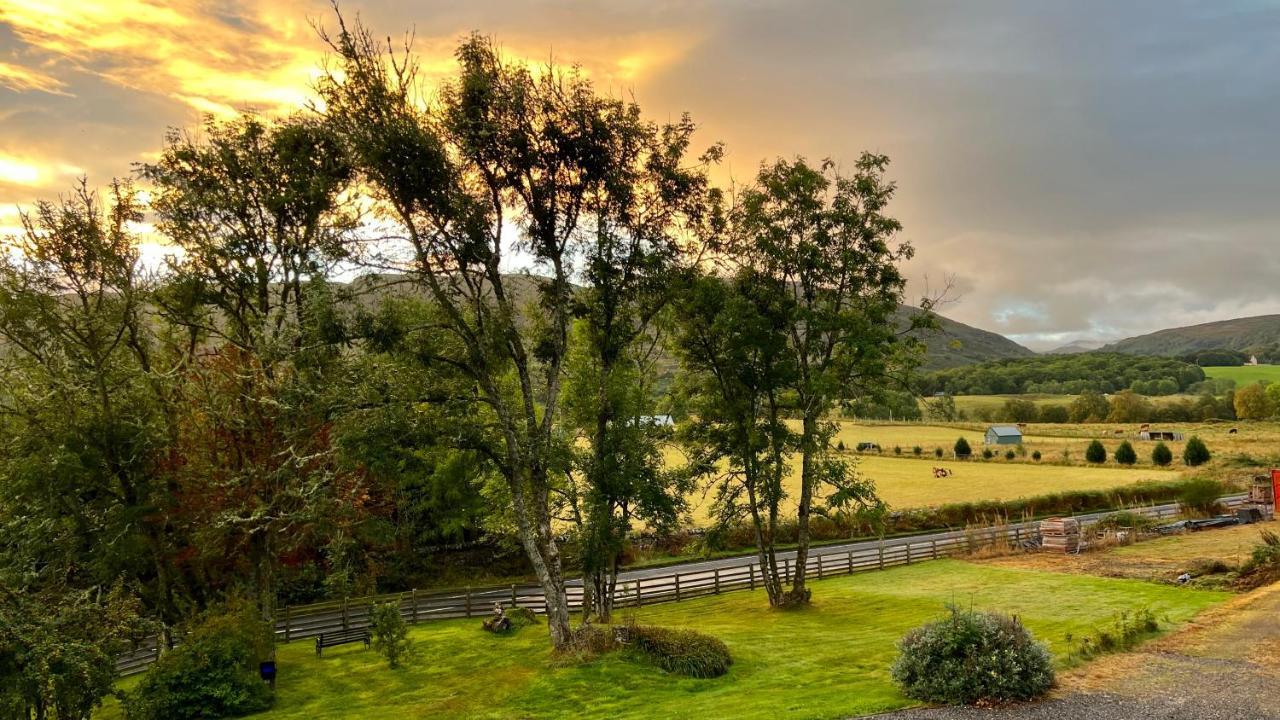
[(830, 660), (1245, 374)]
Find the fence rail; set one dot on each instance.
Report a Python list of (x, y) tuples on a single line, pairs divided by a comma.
[(644, 588)]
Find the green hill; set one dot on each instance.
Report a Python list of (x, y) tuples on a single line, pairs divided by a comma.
[(955, 344), (1238, 334)]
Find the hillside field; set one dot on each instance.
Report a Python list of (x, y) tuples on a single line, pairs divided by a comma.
[(1245, 374), (830, 660)]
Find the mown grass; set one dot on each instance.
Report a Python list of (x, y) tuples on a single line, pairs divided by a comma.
[(1245, 374), (830, 660)]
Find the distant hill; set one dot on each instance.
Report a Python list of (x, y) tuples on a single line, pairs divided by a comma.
[(955, 344), (1239, 334), (1076, 346)]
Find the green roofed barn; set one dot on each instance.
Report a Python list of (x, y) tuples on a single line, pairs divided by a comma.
[(1003, 435)]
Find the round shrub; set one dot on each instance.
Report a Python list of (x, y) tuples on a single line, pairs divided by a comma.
[(962, 449), (917, 450), (987, 454), (1095, 453), (1125, 454), (1035, 455), (1195, 453), (213, 673), (937, 452), (897, 449), (970, 657), (1161, 454), (1200, 495), (683, 652), (1009, 455)]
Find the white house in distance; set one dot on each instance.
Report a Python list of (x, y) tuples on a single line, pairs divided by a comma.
[(1253, 360), (1003, 435)]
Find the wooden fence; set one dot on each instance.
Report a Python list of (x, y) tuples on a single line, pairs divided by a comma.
[(634, 589)]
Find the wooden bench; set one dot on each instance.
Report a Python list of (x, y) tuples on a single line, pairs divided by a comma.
[(341, 637)]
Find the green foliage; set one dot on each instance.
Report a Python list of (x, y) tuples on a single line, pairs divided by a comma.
[(1063, 375), (972, 657), (683, 652), (917, 450), (1035, 455), (388, 633), (1009, 454), (212, 674), (1017, 410), (1089, 406), (937, 452), (1129, 407), (1125, 631), (961, 448), (58, 651), (1055, 414), (1161, 454), (1095, 453), (1195, 453), (987, 454), (1125, 454), (1253, 402), (1200, 495)]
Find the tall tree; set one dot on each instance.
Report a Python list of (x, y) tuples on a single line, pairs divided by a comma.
[(732, 341), (502, 148), (83, 459), (826, 244), (257, 210)]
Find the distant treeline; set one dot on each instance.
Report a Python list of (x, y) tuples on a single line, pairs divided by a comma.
[(1067, 375), (1125, 406), (1226, 357)]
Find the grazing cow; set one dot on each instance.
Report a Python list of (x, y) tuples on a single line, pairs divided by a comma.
[(941, 472), (1233, 431)]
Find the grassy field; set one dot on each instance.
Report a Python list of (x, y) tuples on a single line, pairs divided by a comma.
[(828, 661), (1245, 374), (1162, 559)]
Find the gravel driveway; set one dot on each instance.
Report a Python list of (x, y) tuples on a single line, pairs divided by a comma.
[(1224, 666)]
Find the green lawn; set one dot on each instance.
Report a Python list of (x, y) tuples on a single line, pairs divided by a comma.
[(1245, 374), (829, 661)]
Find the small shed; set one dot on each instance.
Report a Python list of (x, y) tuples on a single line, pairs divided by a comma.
[(1159, 435), (1003, 435)]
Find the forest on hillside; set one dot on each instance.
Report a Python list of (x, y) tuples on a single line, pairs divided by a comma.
[(1066, 375)]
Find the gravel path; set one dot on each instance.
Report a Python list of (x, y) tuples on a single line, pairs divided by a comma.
[(1225, 666)]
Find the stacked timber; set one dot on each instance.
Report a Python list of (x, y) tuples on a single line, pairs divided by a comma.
[(1060, 535)]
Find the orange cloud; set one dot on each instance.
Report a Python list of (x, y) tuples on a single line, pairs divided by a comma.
[(23, 79)]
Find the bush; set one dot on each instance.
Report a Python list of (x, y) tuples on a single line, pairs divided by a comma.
[(1161, 454), (1125, 454), (1125, 631), (1095, 453), (917, 450), (987, 454), (1200, 495), (1035, 455), (212, 674), (1263, 565), (970, 657), (897, 449), (683, 652), (937, 452), (1009, 455), (840, 445), (962, 449), (1195, 453), (388, 633)]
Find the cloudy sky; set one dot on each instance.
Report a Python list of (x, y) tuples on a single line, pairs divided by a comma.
[(1082, 169)]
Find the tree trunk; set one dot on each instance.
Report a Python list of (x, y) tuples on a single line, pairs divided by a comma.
[(808, 448)]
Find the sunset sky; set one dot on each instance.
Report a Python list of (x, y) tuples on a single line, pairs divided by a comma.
[(1083, 169)]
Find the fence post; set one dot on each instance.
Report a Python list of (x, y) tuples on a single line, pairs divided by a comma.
[(934, 544), (346, 618), (413, 598), (288, 625), (717, 571), (1017, 536), (751, 575), (819, 567), (786, 570), (677, 587), (850, 562), (881, 553), (468, 601), (639, 595), (514, 600), (908, 553), (159, 642)]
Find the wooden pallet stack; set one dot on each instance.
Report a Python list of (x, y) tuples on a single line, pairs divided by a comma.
[(1060, 535)]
